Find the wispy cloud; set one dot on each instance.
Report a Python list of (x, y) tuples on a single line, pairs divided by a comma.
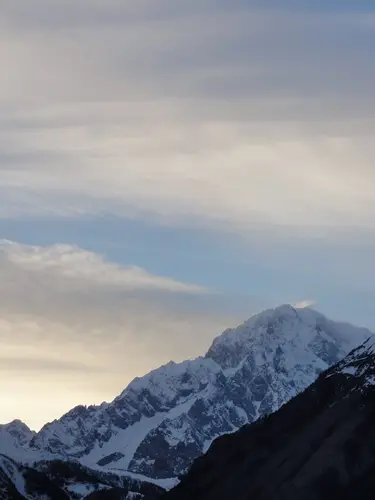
[(302, 304), (212, 174), (265, 115), (68, 262)]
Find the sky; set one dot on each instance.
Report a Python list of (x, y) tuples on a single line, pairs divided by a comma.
[(167, 169)]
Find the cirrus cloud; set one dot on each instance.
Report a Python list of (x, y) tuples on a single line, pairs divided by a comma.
[(257, 118), (66, 261)]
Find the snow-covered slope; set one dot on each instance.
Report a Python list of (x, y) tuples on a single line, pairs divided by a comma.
[(69, 480), (15, 438), (164, 420), (12, 480), (358, 365)]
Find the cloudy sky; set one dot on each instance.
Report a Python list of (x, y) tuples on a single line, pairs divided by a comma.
[(168, 168)]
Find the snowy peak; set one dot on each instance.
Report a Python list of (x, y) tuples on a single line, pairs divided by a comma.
[(15, 436), (318, 446), (304, 331), (17, 428)]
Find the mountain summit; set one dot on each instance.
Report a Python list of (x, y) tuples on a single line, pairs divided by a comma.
[(318, 446), (161, 422)]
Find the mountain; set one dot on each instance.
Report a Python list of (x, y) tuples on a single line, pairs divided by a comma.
[(318, 446), (60, 480), (164, 420), (15, 437)]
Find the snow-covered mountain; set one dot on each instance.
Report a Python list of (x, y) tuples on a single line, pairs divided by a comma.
[(15, 438), (318, 446), (161, 422)]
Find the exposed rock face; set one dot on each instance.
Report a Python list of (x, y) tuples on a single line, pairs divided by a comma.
[(318, 446)]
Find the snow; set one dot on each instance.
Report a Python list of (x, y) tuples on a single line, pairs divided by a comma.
[(14, 437), (166, 483), (14, 474), (84, 488), (308, 318), (133, 496), (242, 414), (166, 381), (128, 440), (349, 370)]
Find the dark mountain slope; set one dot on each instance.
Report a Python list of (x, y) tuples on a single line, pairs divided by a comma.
[(59, 480), (320, 445)]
